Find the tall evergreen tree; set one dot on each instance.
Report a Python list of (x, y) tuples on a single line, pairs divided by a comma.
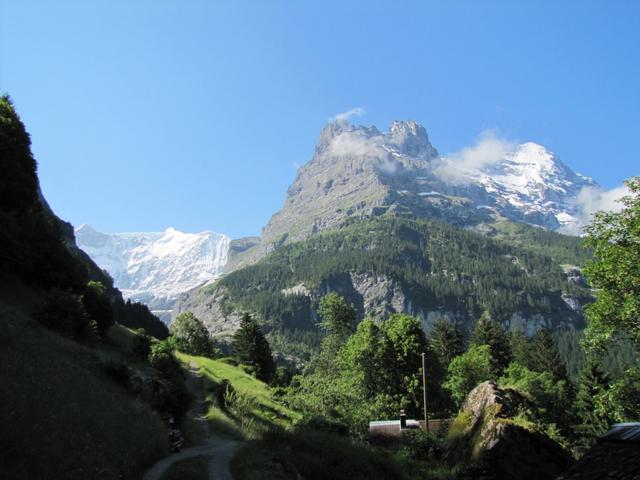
[(489, 332), (252, 348), (447, 341), (545, 356), (521, 347), (592, 382)]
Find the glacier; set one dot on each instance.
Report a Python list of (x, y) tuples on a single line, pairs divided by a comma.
[(156, 267)]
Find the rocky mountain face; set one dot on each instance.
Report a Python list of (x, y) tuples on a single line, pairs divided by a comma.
[(358, 171), (155, 267), (486, 441)]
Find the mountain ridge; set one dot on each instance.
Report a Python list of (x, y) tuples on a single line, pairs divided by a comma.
[(155, 267)]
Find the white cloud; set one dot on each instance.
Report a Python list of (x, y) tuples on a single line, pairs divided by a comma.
[(354, 112), (594, 199), (356, 143), (488, 150)]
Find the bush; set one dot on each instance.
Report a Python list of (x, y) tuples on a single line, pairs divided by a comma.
[(118, 371), (161, 358), (318, 423), (192, 337), (97, 304), (141, 346), (241, 406), (310, 455), (420, 445), (65, 313), (170, 396)]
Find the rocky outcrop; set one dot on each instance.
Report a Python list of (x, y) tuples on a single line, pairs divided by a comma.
[(209, 304), (490, 440)]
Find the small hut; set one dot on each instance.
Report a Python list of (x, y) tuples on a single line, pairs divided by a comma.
[(616, 456), (392, 428)]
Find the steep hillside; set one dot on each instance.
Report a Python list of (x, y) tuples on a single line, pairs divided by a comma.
[(63, 415), (66, 412), (389, 264)]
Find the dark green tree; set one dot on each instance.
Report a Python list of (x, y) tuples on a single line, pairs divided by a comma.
[(191, 336), (98, 305), (489, 332), (521, 348), (18, 182), (614, 271), (64, 312), (446, 340), (592, 381), (545, 356), (252, 348), (337, 318)]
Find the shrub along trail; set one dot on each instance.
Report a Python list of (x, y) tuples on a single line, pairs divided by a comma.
[(221, 449)]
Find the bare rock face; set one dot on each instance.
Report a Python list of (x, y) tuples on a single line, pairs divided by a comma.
[(344, 178), (359, 171), (208, 304), (488, 442)]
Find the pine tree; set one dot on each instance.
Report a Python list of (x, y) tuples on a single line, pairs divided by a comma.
[(545, 356), (591, 382), (252, 348), (446, 339), (489, 332), (521, 348)]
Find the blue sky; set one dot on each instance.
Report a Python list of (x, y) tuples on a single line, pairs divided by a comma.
[(193, 114)]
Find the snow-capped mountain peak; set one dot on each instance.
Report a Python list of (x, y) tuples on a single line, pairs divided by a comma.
[(527, 182), (155, 267)]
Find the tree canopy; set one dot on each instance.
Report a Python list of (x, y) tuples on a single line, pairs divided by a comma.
[(252, 348), (614, 271), (191, 336)]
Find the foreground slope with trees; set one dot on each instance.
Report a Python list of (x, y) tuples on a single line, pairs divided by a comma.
[(69, 409)]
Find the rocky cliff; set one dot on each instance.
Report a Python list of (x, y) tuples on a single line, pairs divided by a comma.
[(490, 440), (359, 171)]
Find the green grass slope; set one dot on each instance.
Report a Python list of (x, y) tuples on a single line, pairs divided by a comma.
[(250, 410), (62, 416)]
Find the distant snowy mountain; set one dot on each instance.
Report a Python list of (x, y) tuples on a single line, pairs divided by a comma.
[(360, 171), (528, 184), (155, 267)]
